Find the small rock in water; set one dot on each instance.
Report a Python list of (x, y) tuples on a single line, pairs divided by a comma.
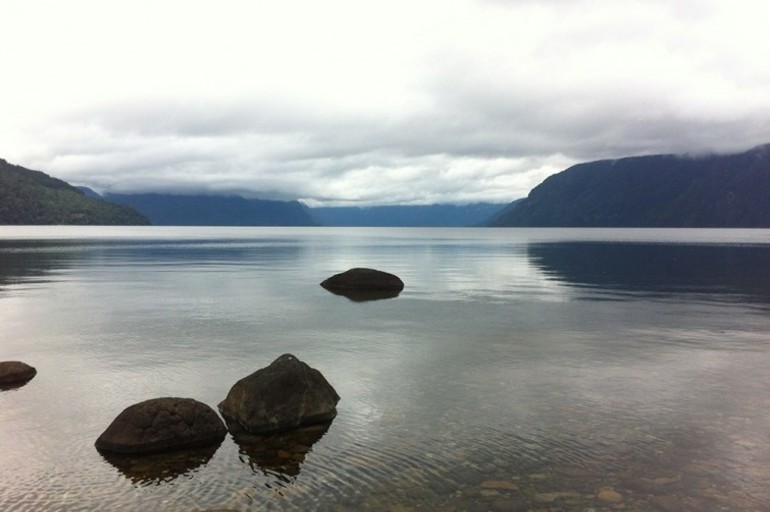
[(364, 284), (363, 279), (609, 495), (15, 372)]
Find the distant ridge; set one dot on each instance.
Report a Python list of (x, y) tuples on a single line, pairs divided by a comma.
[(33, 197), (206, 210), (430, 215), (202, 210), (651, 191)]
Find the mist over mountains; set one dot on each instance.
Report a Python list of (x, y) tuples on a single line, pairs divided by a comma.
[(647, 191), (431, 215), (205, 210)]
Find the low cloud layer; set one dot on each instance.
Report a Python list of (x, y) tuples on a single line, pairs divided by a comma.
[(350, 103)]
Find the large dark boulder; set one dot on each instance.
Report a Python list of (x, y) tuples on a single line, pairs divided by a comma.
[(364, 279), (15, 372), (283, 396), (162, 424)]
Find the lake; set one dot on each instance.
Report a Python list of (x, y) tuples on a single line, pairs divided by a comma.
[(520, 369)]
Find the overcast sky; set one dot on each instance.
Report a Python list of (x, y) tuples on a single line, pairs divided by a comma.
[(358, 102)]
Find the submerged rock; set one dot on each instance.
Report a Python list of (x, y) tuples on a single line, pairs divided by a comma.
[(283, 396), (363, 279), (609, 495), (162, 424), (15, 372)]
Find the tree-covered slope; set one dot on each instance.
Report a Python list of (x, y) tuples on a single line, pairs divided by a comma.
[(200, 210), (33, 197), (652, 191)]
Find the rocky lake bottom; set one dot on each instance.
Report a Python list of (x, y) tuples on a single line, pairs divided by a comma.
[(518, 370)]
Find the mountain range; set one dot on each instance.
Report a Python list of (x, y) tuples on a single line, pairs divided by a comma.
[(205, 210), (644, 191), (651, 191)]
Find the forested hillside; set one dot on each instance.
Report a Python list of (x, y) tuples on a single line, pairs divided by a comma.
[(33, 197), (652, 191)]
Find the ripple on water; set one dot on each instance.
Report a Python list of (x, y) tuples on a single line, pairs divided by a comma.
[(449, 468), (410, 469), (452, 470)]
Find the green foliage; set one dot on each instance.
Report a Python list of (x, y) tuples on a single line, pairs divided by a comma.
[(32, 197)]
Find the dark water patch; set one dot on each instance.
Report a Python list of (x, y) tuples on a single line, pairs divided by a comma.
[(730, 273), (33, 262)]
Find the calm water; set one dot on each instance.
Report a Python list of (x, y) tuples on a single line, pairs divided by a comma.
[(519, 369)]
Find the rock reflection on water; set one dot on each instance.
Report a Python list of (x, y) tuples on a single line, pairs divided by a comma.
[(365, 295), (280, 454), (160, 468)]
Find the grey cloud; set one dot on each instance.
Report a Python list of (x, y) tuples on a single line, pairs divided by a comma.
[(194, 117), (486, 110), (361, 160)]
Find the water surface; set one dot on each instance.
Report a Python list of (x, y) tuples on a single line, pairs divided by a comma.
[(519, 369)]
